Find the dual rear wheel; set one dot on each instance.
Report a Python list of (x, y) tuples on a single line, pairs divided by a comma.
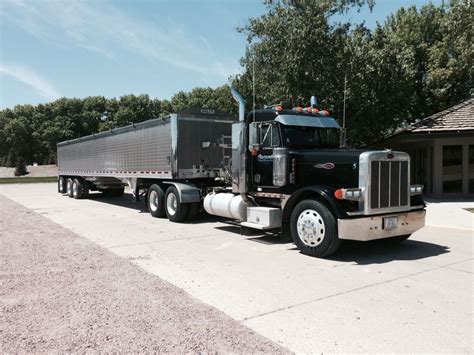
[(161, 204)]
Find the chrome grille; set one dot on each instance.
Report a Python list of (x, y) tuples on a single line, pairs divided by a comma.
[(388, 186)]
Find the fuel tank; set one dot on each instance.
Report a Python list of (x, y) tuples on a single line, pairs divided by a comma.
[(226, 205)]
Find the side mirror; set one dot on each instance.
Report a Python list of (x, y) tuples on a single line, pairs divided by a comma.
[(254, 142)]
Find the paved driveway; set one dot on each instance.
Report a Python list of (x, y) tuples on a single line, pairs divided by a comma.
[(369, 297)]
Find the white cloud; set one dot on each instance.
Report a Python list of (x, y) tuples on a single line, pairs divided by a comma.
[(103, 28), (32, 79)]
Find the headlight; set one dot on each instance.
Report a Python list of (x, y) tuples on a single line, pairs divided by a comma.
[(348, 194)]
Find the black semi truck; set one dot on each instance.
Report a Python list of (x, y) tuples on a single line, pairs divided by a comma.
[(278, 169)]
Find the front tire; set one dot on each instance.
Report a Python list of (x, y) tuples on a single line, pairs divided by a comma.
[(175, 210), (399, 239), (314, 229)]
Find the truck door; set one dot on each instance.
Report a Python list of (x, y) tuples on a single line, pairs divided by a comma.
[(262, 163)]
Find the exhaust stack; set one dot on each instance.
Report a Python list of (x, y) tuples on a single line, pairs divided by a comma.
[(239, 149)]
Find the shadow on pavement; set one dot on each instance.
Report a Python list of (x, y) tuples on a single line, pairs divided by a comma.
[(127, 201), (383, 251), (363, 253)]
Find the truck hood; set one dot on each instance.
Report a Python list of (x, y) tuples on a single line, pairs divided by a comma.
[(330, 167)]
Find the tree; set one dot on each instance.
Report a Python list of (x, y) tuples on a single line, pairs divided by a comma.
[(20, 167), (417, 63)]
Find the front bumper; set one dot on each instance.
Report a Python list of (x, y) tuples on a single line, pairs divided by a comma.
[(370, 228)]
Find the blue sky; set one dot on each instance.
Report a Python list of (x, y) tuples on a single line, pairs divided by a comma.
[(50, 49)]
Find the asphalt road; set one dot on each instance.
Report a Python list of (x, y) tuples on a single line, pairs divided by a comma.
[(371, 297)]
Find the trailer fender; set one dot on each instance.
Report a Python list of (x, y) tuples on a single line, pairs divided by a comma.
[(323, 193), (187, 193)]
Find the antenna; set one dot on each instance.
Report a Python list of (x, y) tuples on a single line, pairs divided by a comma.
[(344, 110), (343, 135), (253, 85)]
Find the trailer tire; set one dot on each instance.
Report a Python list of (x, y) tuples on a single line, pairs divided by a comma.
[(314, 229), (156, 201), (78, 188), (62, 189), (69, 183), (193, 210), (175, 210)]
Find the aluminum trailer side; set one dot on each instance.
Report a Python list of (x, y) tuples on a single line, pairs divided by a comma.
[(187, 151)]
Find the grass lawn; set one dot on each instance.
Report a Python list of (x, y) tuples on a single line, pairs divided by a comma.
[(27, 179)]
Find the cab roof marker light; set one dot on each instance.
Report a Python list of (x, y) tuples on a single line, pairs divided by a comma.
[(416, 189)]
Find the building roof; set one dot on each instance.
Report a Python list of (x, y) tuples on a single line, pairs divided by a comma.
[(456, 118)]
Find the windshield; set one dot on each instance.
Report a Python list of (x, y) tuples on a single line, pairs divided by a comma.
[(310, 137)]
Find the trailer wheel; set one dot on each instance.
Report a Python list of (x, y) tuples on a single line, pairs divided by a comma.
[(156, 201), (193, 211), (69, 183), (175, 210), (62, 189), (78, 189), (313, 229)]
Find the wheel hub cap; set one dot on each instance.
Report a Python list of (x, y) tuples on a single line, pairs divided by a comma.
[(172, 204), (310, 227), (153, 201)]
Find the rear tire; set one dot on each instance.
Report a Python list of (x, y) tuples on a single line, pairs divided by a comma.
[(175, 210), (156, 201), (69, 183), (314, 229), (78, 189), (62, 189)]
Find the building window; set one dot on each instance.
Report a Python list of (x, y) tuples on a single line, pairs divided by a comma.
[(471, 169), (452, 169)]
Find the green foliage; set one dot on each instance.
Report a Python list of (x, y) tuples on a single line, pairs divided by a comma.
[(20, 167), (417, 63), (32, 132)]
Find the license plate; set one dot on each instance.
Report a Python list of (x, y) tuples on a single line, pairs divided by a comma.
[(390, 223)]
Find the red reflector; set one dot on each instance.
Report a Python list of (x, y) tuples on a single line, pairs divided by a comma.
[(338, 194), (278, 108), (254, 152)]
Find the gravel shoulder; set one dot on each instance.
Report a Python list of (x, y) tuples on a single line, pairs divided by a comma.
[(60, 292)]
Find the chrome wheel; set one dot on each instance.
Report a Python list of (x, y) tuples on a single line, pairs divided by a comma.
[(310, 228), (154, 201), (171, 204)]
